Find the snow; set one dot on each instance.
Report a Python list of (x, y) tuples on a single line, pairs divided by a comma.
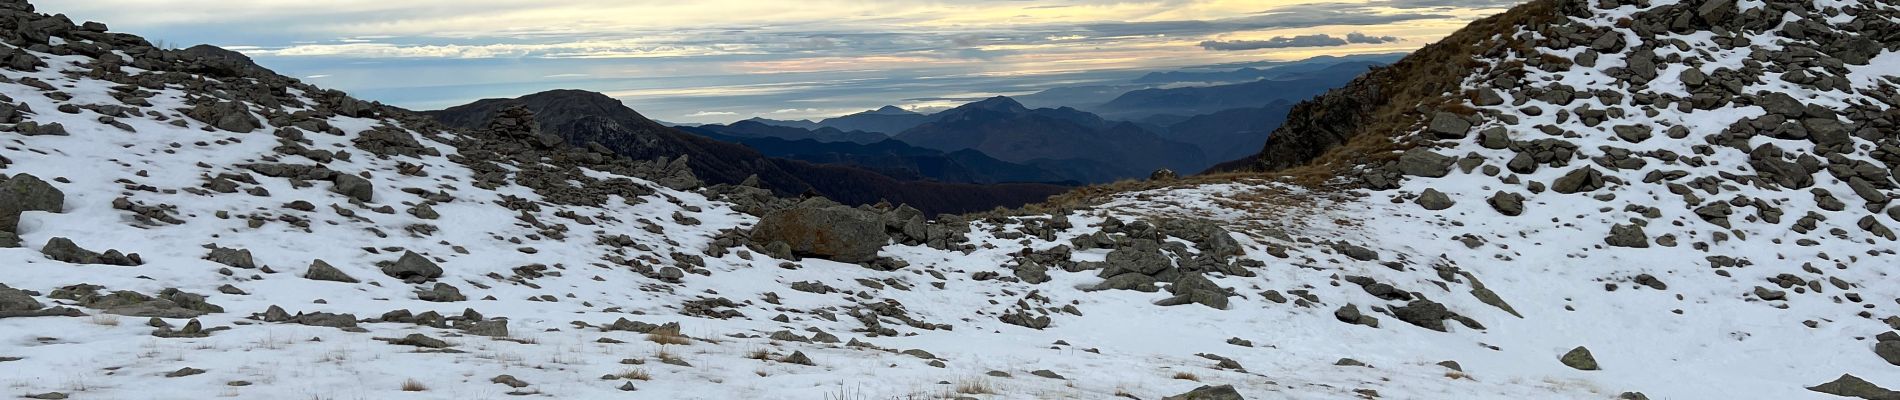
[(1549, 264)]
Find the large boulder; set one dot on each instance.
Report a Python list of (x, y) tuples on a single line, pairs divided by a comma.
[(832, 232), (412, 267), (1421, 162), (23, 192), (1627, 235), (353, 186), (1434, 200)]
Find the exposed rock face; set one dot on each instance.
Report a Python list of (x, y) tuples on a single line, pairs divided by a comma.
[(831, 232)]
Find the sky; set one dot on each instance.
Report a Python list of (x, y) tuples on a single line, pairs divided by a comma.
[(706, 61)]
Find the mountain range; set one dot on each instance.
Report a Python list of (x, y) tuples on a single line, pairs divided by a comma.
[(582, 118)]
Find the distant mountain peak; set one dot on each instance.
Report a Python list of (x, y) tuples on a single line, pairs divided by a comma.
[(998, 103), (889, 110)]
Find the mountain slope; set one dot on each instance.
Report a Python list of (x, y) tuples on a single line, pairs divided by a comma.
[(887, 120), (890, 157), (581, 117), (1007, 130), (757, 129), (1197, 100), (1230, 134), (1717, 179)]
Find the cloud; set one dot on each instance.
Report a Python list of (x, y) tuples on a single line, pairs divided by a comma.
[(712, 114), (1277, 42), (1302, 16), (1282, 42), (1362, 38)]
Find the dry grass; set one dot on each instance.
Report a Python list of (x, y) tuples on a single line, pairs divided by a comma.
[(412, 385), (1457, 375), (638, 374), (760, 354), (664, 355), (669, 338), (1187, 376), (105, 320), (975, 386)]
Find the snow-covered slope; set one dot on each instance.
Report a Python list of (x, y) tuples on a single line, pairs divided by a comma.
[(229, 183)]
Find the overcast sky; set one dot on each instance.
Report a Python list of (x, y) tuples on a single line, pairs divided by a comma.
[(721, 60)]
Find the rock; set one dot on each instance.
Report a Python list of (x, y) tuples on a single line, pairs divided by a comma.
[(1144, 259), (1350, 314), (1849, 385), (31, 128), (1509, 204), (63, 249), (1633, 133), (441, 292), (1651, 282), (353, 186), (412, 267), (1130, 281), (1451, 126), (226, 115), (1424, 313), (1580, 358), (1770, 294), (25, 192), (1434, 200), (1488, 97), (238, 258), (1046, 374), (489, 328), (1581, 180), (837, 233), (1627, 235), (1888, 350), (1495, 138), (420, 340), (1222, 392), (1717, 11), (322, 271), (424, 211), (509, 380), (1163, 175), (797, 357), (1422, 162), (16, 300), (184, 372)]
